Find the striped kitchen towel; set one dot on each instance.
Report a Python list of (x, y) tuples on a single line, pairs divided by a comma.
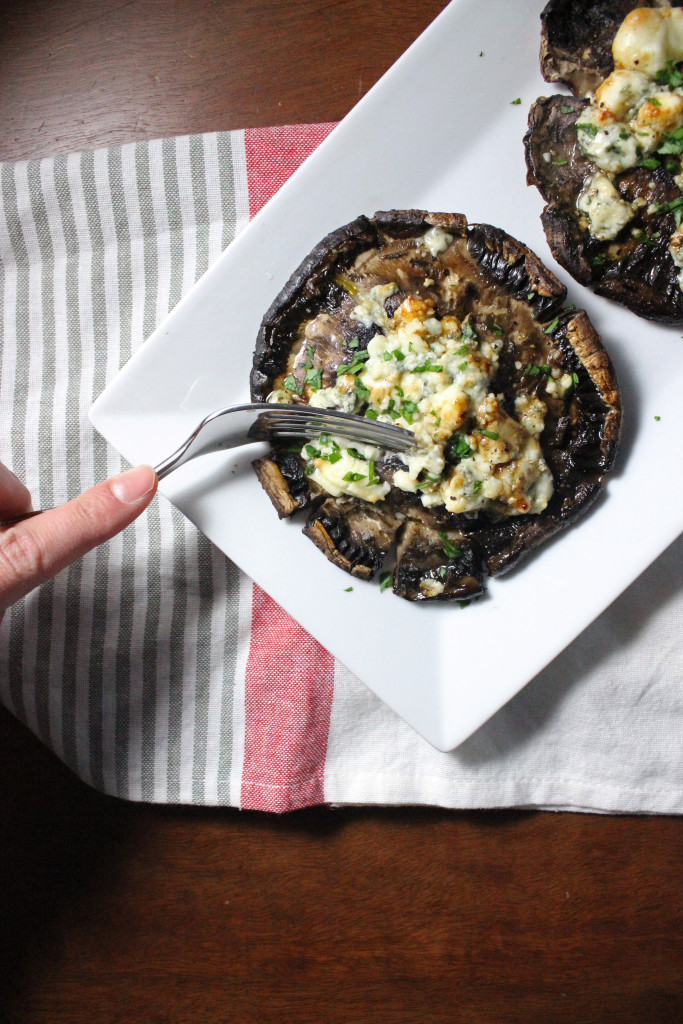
[(153, 667)]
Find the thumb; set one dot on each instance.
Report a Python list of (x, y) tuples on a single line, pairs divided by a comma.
[(37, 549)]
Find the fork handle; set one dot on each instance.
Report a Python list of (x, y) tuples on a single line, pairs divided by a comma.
[(21, 518)]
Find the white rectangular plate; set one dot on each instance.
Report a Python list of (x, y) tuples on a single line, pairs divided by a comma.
[(441, 131)]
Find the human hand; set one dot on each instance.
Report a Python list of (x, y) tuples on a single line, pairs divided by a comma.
[(36, 549)]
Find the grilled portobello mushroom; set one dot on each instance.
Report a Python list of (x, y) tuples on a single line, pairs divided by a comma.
[(607, 160), (458, 333)]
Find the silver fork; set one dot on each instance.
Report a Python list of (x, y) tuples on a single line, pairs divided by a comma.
[(243, 424)]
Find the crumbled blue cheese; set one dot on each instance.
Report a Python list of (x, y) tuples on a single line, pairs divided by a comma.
[(433, 377), (606, 211), (340, 469), (436, 240), (631, 114)]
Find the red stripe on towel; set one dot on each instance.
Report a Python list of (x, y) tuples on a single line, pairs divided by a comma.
[(288, 698), (289, 677), (274, 153)]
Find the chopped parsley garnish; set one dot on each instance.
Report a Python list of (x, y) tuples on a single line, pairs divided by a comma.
[(653, 100), (347, 590), (658, 418), (589, 129), (386, 580), (532, 370), (457, 448), (408, 410), (560, 163), (567, 110), (469, 332), (670, 75), (291, 384), (464, 350), (361, 392), (477, 486), (428, 368), (371, 414), (354, 343), (352, 478), (497, 329), (355, 366), (356, 454), (463, 366), (372, 476), (552, 325), (489, 433), (314, 379), (313, 453), (449, 549), (515, 103)]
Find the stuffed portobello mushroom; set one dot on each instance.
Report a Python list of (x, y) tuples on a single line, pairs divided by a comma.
[(458, 333), (607, 160)]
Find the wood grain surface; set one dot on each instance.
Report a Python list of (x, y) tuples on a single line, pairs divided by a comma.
[(114, 912)]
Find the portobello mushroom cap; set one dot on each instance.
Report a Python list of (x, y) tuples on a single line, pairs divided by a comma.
[(635, 268), (485, 277), (576, 39)]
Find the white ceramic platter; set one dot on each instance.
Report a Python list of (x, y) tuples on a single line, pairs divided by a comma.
[(441, 131)]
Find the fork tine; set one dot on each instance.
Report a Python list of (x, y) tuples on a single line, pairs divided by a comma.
[(302, 421)]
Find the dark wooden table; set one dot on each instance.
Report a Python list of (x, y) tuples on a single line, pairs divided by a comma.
[(114, 912)]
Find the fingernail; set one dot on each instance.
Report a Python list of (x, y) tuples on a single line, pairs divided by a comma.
[(133, 485)]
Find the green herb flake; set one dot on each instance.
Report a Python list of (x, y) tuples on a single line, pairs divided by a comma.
[(314, 379), (372, 476), (449, 549), (477, 486), (670, 75), (352, 478), (560, 163), (397, 354), (333, 457), (566, 110), (312, 452), (552, 325), (516, 103), (347, 590), (386, 581), (428, 368), (464, 350), (658, 418), (469, 332), (361, 392), (354, 343), (490, 434), (408, 410), (457, 448), (589, 129), (371, 414), (291, 384), (463, 366), (356, 454)]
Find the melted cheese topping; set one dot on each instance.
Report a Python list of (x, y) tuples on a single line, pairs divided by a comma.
[(633, 116), (607, 212), (648, 38), (433, 377)]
